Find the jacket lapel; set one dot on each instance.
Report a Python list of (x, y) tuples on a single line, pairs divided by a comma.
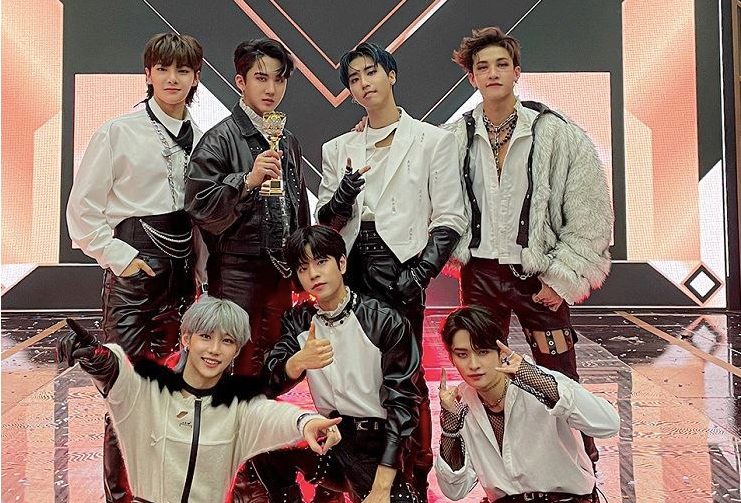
[(403, 139)]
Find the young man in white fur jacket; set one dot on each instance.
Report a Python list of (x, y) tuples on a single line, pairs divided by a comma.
[(540, 219)]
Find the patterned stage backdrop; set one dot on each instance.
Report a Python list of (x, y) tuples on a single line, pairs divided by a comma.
[(624, 71)]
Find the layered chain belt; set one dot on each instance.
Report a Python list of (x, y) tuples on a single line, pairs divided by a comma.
[(169, 234), (173, 245)]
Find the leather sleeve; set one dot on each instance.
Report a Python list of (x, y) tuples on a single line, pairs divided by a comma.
[(440, 246), (213, 187), (400, 361), (293, 322)]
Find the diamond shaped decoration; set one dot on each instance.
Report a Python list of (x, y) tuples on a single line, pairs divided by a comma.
[(702, 283)]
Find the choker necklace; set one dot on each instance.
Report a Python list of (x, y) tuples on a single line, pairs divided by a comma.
[(338, 316), (508, 126), (492, 405), (198, 393)]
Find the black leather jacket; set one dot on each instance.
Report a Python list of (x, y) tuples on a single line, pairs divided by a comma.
[(392, 335), (231, 222)]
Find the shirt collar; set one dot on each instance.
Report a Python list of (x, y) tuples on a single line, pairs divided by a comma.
[(173, 125), (252, 115)]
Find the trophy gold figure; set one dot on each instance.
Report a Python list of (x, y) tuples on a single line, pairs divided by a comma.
[(273, 123)]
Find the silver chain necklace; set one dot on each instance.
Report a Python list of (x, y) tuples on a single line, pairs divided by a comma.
[(168, 152)]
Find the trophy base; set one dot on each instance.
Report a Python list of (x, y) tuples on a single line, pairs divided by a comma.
[(274, 188)]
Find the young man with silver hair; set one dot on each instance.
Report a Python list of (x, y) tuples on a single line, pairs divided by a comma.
[(184, 432)]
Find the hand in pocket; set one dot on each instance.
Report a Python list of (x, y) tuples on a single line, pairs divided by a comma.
[(548, 297)]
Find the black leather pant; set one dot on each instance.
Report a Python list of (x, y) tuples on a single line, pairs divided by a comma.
[(492, 285), (350, 466), (253, 283), (142, 314), (372, 267)]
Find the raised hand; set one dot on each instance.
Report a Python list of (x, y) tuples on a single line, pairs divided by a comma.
[(267, 166), (448, 397), (510, 361), (78, 344), (316, 354), (317, 428), (360, 126)]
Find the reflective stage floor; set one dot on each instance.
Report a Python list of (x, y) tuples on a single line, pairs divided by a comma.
[(675, 380)]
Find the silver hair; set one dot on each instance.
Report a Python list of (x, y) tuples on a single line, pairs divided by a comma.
[(210, 314)]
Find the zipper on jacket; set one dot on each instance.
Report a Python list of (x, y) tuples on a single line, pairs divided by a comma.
[(193, 451)]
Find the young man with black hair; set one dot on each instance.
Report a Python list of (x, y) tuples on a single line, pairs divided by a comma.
[(540, 214), (245, 232), (359, 357), (542, 457), (393, 193), (125, 211)]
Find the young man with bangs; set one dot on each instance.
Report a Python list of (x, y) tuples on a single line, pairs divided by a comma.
[(544, 413), (359, 357), (125, 211), (244, 231), (184, 431), (393, 193), (540, 220)]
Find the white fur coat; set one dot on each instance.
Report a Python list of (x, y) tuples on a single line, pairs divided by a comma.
[(570, 214)]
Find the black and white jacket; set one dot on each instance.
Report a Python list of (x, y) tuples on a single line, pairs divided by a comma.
[(375, 360)]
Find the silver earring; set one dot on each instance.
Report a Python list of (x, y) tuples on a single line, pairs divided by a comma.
[(231, 368)]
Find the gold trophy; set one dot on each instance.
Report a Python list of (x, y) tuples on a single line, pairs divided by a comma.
[(273, 123)]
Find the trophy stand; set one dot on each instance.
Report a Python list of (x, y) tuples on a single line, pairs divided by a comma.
[(273, 124)]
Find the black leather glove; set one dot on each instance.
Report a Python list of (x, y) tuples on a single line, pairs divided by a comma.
[(343, 199), (417, 275), (80, 346)]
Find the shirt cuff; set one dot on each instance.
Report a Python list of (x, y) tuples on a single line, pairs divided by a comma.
[(119, 255), (304, 418), (565, 404)]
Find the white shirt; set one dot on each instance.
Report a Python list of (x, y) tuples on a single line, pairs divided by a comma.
[(155, 427), (124, 174), (500, 201), (351, 383), (376, 158), (542, 449)]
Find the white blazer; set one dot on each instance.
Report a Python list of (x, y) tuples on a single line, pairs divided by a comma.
[(421, 187)]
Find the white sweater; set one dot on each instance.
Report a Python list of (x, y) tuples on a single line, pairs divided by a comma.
[(155, 428)]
